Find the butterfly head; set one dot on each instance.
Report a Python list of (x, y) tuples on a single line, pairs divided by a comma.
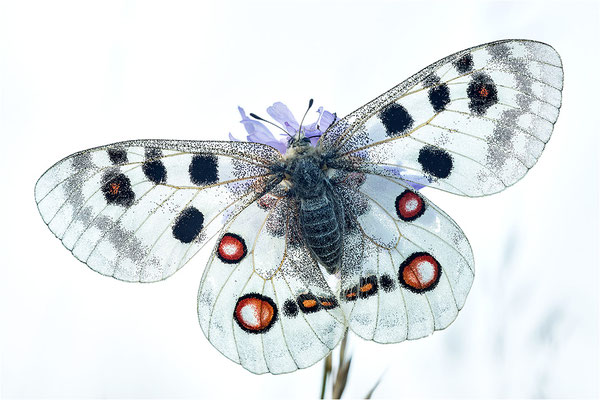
[(299, 140)]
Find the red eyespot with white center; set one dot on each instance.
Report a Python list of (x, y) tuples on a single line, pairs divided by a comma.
[(231, 248), (255, 313), (409, 206), (420, 272)]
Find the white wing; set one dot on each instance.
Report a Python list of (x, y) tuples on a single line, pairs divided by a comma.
[(406, 268), (472, 123), (139, 210), (263, 301)]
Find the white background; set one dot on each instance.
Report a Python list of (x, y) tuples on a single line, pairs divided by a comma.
[(79, 74)]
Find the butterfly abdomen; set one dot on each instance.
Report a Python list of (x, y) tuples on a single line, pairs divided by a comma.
[(321, 229), (321, 218)]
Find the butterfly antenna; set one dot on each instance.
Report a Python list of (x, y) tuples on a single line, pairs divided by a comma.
[(269, 122), (310, 103)]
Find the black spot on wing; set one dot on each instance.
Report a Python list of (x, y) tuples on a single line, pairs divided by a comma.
[(188, 225), (464, 64), (290, 309), (117, 156), (387, 283), (435, 161), (439, 97), (203, 169), (396, 120), (117, 189), (153, 167), (482, 93), (155, 171)]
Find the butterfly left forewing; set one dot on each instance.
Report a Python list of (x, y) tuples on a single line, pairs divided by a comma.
[(263, 301), (407, 267), (139, 210), (472, 123)]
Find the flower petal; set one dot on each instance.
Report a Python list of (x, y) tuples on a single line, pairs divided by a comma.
[(326, 119), (257, 131), (280, 113)]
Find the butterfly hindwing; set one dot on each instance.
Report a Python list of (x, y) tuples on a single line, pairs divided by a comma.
[(472, 123), (139, 210), (410, 278), (263, 301)]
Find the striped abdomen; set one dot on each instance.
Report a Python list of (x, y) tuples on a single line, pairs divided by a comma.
[(322, 230)]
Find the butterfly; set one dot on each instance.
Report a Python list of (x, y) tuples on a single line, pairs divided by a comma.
[(323, 238)]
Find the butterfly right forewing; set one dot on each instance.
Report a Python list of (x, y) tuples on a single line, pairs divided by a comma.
[(472, 123)]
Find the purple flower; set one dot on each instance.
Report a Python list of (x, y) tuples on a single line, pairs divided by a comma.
[(259, 133)]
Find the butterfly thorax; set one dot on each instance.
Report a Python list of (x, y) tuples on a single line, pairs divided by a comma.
[(320, 212)]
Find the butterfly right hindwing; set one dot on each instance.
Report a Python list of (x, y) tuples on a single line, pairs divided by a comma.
[(410, 272)]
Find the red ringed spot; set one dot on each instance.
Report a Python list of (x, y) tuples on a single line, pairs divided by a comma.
[(483, 92), (307, 302), (231, 248), (328, 303), (255, 313), (409, 206), (420, 272), (351, 294), (367, 286)]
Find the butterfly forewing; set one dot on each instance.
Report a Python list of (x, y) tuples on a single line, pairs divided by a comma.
[(472, 123), (140, 210)]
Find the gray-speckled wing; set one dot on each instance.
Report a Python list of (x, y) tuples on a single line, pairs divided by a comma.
[(472, 123), (263, 301), (407, 267), (139, 210)]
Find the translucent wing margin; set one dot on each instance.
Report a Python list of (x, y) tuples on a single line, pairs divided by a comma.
[(139, 210), (406, 268), (263, 301), (472, 123)]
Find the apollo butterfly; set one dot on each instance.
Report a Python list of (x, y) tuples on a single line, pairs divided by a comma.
[(343, 205)]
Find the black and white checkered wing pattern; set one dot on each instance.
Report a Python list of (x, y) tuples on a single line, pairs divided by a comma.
[(472, 123), (139, 210)]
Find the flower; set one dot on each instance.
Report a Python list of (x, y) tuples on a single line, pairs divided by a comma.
[(259, 133)]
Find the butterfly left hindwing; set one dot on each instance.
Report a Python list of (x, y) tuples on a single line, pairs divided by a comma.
[(263, 301)]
